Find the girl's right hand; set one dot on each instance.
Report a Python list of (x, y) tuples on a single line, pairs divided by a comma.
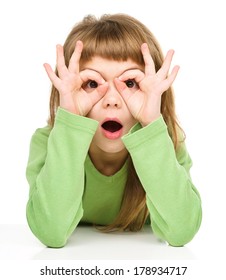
[(73, 95)]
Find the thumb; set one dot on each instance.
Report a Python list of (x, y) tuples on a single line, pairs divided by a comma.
[(122, 89), (99, 93)]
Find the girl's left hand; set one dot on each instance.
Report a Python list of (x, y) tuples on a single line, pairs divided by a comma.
[(144, 101)]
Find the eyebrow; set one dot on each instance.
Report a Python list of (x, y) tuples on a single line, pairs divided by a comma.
[(102, 74)]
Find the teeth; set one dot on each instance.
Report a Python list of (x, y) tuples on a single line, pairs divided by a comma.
[(111, 126)]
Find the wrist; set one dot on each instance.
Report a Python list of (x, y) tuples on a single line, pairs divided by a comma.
[(71, 108), (150, 111), (149, 120)]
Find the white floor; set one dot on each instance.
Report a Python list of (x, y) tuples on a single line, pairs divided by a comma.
[(18, 243), (22, 256)]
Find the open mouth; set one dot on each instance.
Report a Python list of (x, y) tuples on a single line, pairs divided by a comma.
[(111, 126)]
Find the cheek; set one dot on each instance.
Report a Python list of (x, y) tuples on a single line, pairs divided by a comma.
[(94, 112), (131, 122)]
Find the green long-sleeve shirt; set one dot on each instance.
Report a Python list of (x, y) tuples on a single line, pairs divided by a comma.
[(66, 188)]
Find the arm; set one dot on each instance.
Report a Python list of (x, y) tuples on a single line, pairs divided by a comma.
[(55, 173), (173, 201), (55, 169)]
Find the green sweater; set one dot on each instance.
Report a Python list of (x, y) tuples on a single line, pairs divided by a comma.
[(66, 188)]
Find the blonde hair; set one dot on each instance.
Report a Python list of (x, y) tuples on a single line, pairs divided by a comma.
[(119, 37)]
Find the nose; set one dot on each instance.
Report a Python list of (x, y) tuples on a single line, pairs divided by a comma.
[(112, 98)]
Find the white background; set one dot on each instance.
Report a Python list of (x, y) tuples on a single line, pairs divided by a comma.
[(30, 30)]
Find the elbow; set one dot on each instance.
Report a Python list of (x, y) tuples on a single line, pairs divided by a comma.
[(49, 236), (179, 233), (178, 239), (52, 242), (52, 231), (53, 238), (182, 234)]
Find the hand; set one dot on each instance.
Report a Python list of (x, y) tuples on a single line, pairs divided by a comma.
[(73, 97), (144, 103)]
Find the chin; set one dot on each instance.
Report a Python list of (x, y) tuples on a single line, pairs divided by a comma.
[(113, 148)]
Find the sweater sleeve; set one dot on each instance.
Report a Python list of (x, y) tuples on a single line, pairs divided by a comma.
[(55, 173), (173, 201)]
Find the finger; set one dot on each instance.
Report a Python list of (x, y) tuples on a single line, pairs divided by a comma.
[(170, 79), (87, 75), (122, 89), (136, 74), (74, 61), (99, 93), (61, 67), (52, 75), (148, 61), (163, 71)]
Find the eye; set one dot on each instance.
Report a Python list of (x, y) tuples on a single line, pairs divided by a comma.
[(92, 84), (131, 84), (89, 86)]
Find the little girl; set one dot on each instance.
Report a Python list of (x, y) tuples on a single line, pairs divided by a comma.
[(112, 153)]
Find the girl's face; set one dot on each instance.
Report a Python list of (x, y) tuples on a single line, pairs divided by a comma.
[(115, 120)]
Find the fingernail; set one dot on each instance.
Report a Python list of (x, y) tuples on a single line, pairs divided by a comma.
[(79, 43), (144, 45)]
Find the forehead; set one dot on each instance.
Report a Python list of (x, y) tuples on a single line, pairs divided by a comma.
[(110, 67)]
